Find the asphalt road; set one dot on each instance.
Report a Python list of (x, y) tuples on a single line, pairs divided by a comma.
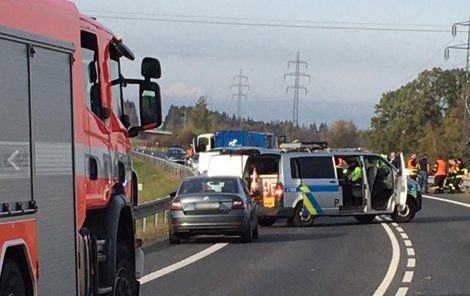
[(337, 256)]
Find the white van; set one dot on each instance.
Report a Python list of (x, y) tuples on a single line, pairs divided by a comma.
[(302, 186)]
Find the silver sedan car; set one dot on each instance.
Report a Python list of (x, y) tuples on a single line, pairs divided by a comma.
[(212, 205)]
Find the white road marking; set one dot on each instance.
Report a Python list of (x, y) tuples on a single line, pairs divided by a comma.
[(408, 277), (404, 235), (448, 201), (392, 268), (387, 218), (411, 263), (180, 264), (399, 229), (402, 291), (395, 224), (410, 251), (408, 243)]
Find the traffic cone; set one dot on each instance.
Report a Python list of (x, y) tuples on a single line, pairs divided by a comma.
[(265, 190), (255, 185)]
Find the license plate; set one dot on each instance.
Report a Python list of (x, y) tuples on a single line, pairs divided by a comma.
[(268, 202), (207, 206)]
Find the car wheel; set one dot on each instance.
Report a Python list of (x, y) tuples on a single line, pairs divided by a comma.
[(174, 239), (364, 219), (301, 219), (247, 236), (266, 222), (125, 281), (11, 281), (407, 214)]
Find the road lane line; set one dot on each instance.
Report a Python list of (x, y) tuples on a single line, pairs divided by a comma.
[(394, 224), (392, 268), (410, 251), (399, 229), (404, 235), (180, 264), (448, 201), (402, 291), (411, 263), (408, 243), (408, 277)]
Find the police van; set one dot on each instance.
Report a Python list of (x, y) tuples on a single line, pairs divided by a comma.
[(301, 186)]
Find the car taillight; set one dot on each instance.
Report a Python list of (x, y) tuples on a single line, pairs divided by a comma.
[(238, 204), (279, 191), (176, 206)]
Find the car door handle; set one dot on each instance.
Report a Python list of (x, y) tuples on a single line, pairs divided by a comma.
[(333, 181)]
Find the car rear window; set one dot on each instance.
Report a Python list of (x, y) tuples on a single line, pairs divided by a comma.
[(267, 165), (207, 185), (312, 168)]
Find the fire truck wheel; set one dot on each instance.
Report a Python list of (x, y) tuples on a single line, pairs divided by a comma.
[(11, 281), (125, 282)]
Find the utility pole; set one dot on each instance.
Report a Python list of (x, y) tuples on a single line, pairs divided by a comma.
[(239, 94), (465, 95), (296, 87)]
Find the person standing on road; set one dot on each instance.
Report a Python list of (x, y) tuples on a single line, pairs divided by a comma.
[(423, 173), (439, 173), (412, 166), (393, 159)]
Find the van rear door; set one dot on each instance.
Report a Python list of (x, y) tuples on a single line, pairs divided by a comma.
[(318, 182)]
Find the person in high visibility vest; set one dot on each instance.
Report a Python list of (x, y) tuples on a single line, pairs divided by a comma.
[(439, 173), (412, 166), (451, 175)]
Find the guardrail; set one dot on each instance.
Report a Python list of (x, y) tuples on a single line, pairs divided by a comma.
[(145, 211), (176, 169)]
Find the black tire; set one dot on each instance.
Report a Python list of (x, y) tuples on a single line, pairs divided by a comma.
[(364, 219), (11, 280), (125, 283), (266, 221), (409, 213), (174, 239), (255, 232), (247, 236), (299, 219)]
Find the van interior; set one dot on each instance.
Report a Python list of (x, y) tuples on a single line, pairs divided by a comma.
[(267, 168), (381, 181), (353, 189)]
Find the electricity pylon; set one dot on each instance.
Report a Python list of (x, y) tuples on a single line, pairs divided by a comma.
[(296, 87), (239, 94)]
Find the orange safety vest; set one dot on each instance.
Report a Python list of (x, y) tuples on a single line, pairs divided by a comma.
[(440, 168)]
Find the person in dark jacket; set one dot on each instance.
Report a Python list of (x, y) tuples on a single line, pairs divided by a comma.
[(423, 167)]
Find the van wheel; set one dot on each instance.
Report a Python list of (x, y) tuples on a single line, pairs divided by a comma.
[(364, 219), (12, 281), (266, 222), (174, 239), (125, 281), (300, 219), (407, 214), (255, 232)]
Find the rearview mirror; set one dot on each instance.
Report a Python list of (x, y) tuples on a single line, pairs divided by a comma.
[(151, 68), (150, 105)]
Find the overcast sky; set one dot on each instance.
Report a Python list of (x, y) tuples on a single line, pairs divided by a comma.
[(350, 69)]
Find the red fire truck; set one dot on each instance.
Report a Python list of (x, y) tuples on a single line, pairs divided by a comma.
[(67, 186)]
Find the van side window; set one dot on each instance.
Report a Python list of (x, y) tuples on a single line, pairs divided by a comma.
[(312, 168), (89, 46)]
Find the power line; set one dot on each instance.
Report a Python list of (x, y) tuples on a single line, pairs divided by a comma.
[(261, 24), (466, 95), (262, 19), (239, 94), (296, 87)]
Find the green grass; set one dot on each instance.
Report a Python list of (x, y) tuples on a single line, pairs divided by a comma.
[(156, 182)]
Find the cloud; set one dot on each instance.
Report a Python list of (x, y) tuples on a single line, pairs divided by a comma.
[(180, 89)]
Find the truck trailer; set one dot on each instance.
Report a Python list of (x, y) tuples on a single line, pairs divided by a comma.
[(67, 186)]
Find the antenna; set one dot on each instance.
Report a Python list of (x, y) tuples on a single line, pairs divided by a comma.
[(296, 87)]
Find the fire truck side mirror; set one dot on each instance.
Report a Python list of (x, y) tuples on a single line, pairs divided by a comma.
[(150, 105), (151, 68)]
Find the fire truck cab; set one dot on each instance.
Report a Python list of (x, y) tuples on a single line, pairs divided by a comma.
[(67, 185)]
